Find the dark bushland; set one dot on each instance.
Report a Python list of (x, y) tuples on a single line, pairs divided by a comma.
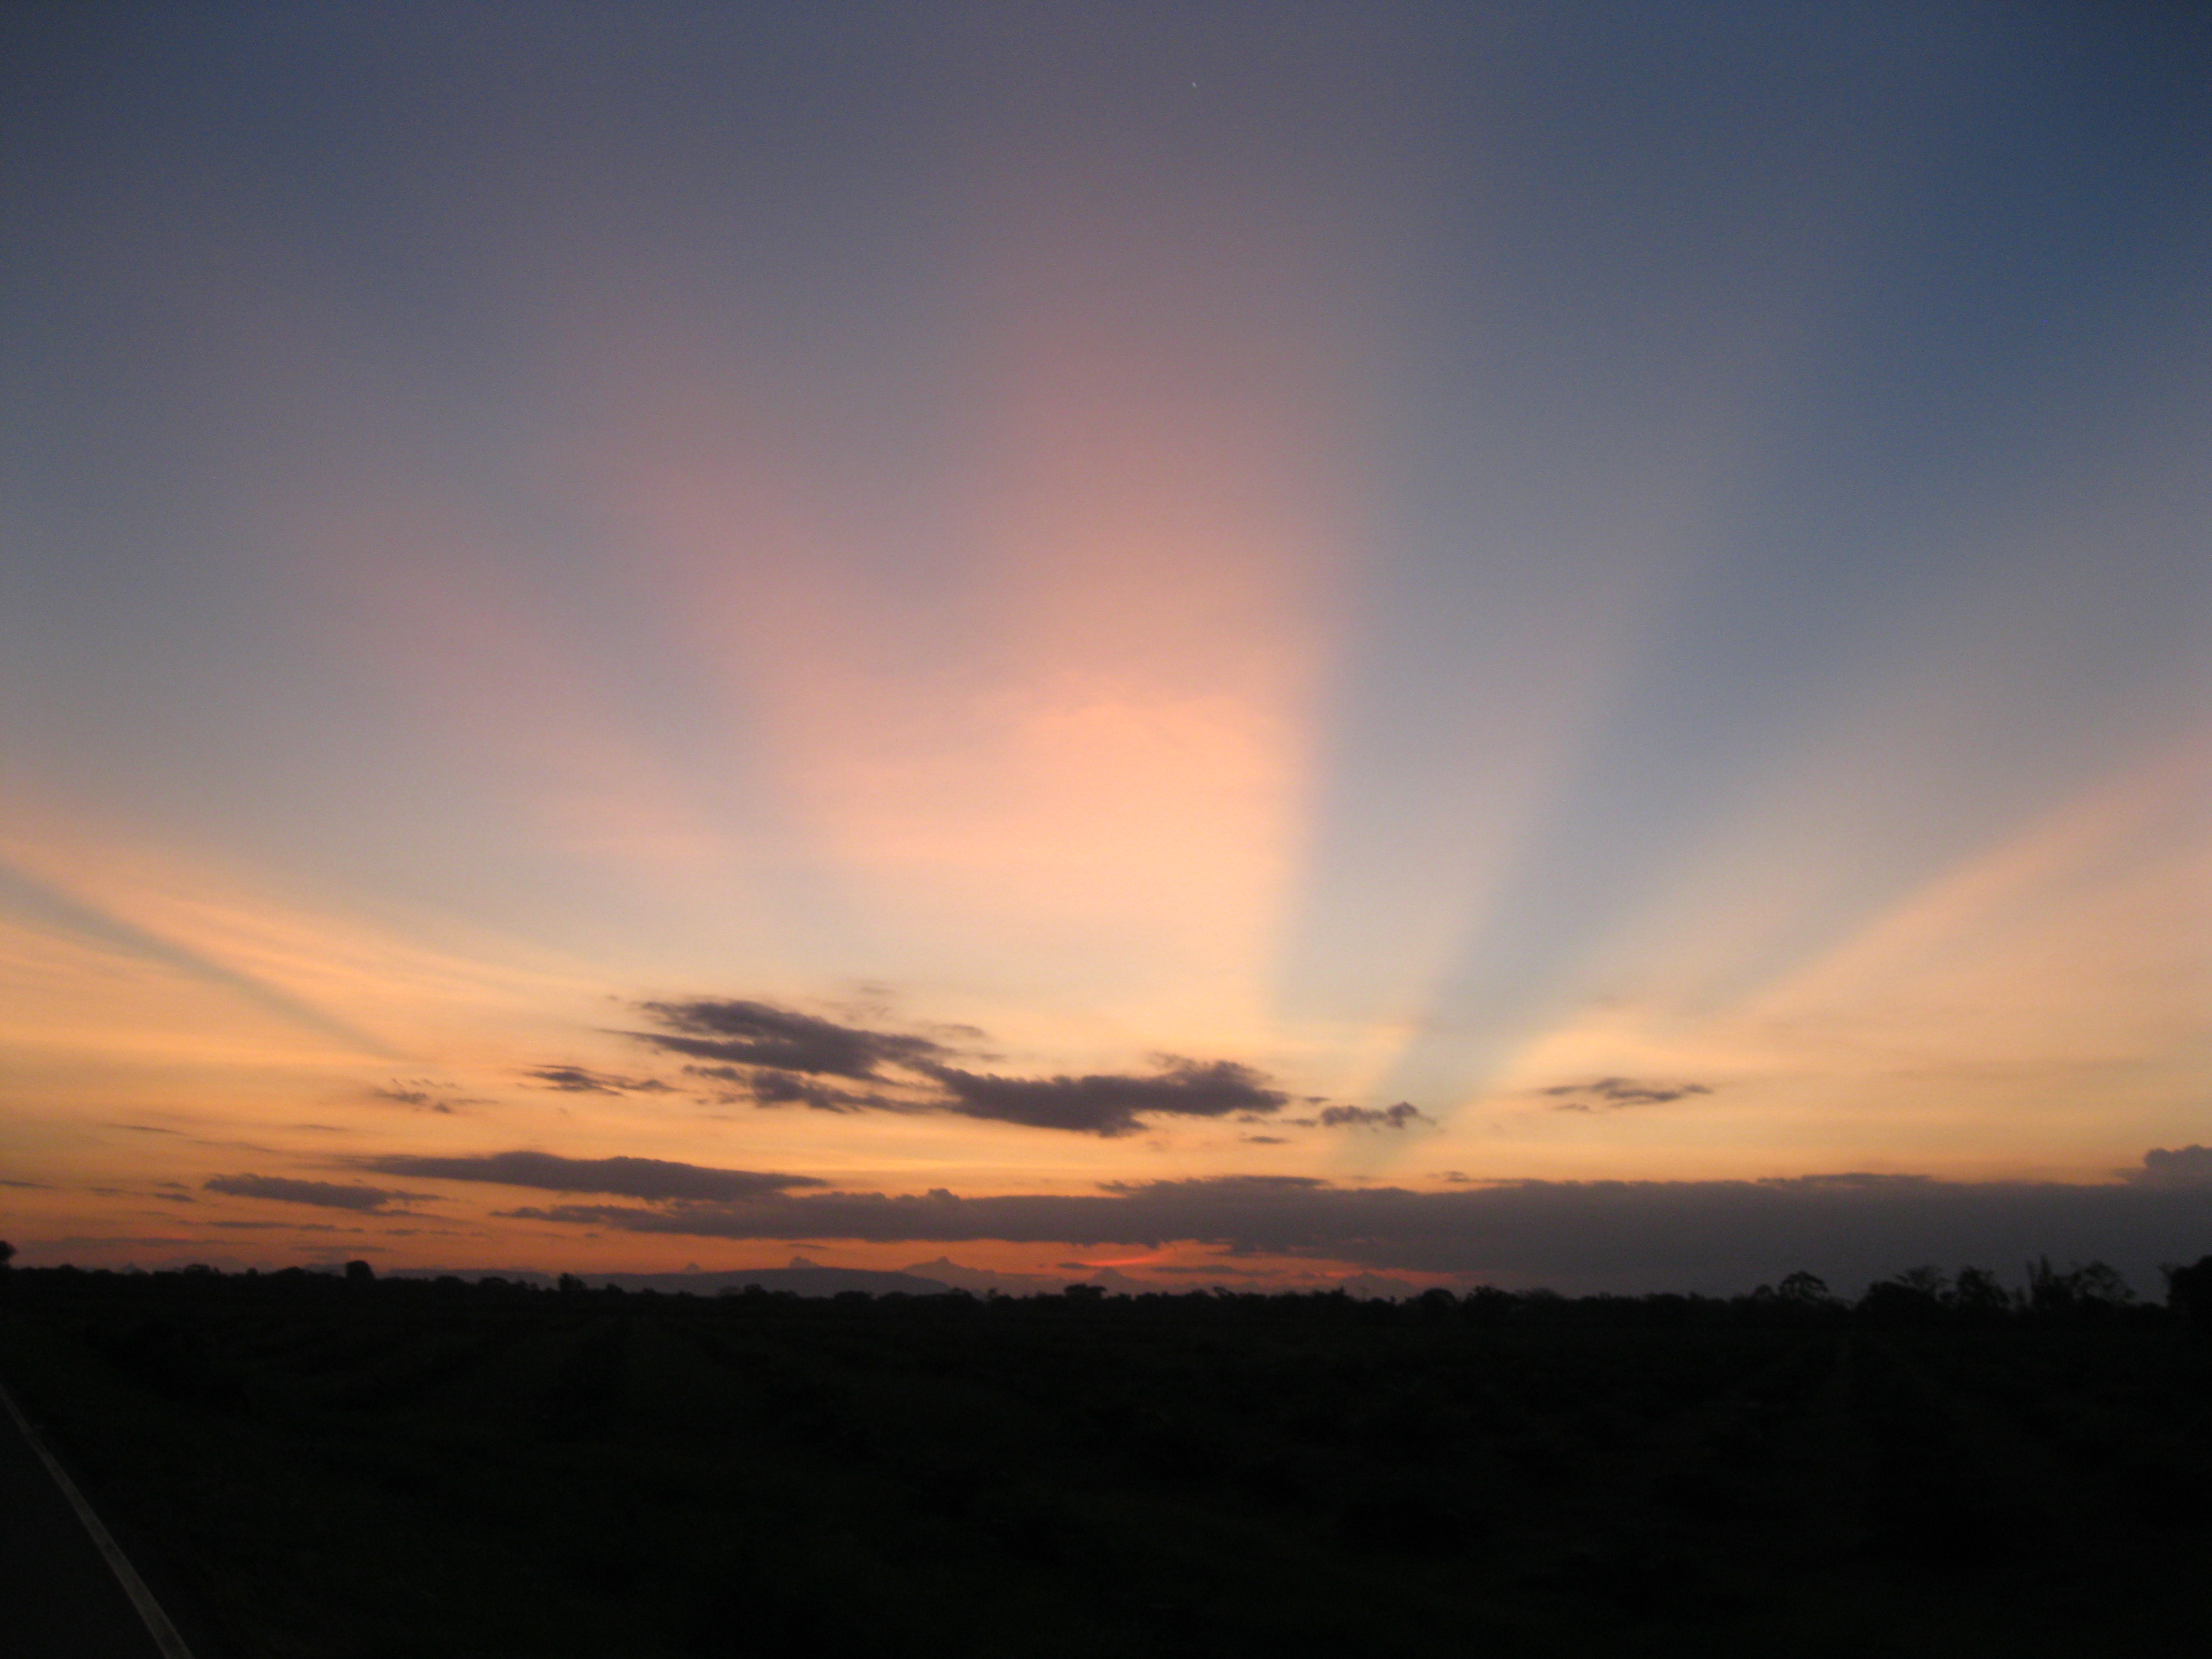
[(338, 1465)]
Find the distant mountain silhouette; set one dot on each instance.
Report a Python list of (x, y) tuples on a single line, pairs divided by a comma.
[(980, 1279)]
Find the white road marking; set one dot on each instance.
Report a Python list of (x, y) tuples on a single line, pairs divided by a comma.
[(157, 1622)]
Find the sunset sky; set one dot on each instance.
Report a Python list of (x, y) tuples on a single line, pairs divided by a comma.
[(1562, 644)]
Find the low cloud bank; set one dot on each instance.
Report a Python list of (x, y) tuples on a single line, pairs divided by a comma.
[(1712, 1235), (2180, 1167)]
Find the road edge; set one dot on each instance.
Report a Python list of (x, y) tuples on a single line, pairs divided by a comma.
[(164, 1634)]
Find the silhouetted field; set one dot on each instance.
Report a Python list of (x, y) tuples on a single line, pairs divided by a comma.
[(318, 1466)]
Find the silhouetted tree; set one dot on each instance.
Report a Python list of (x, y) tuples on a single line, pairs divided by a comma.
[(359, 1272), (1976, 1294), (1919, 1296), (2189, 1292), (1808, 1288), (2085, 1290), (1485, 1304), (1436, 1303)]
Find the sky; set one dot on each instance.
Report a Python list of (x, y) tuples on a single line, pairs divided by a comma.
[(1552, 644)]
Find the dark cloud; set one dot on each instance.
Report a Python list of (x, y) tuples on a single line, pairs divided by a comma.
[(328, 1195), (2184, 1168), (145, 1129), (1372, 1117), (627, 1177), (1716, 1236), (424, 1094), (1610, 1094), (1400, 1116), (420, 1099), (581, 1080), (789, 1089), (1108, 1104), (764, 1086), (745, 1033), (1266, 1140), (779, 1057)]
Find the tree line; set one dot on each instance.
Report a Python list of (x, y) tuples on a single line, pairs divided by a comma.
[(2089, 1293)]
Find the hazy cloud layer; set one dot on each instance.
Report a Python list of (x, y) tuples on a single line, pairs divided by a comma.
[(627, 1177), (1610, 1094), (1715, 1236), (329, 1195), (282, 1226)]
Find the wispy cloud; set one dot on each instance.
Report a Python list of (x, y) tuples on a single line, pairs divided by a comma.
[(1611, 1094), (582, 1080), (1403, 1115), (282, 1226), (426, 1094), (41, 900), (627, 1177), (326, 1194), (420, 1099)]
